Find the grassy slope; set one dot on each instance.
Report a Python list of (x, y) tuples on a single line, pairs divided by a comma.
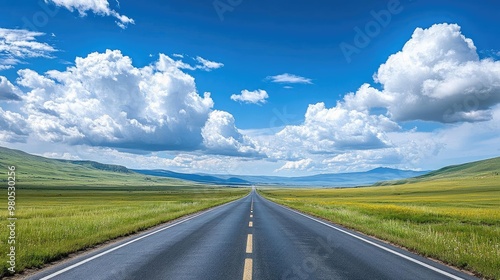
[(452, 215), (63, 207), (39, 172), (478, 169)]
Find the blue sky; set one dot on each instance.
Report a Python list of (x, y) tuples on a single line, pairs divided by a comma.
[(295, 88)]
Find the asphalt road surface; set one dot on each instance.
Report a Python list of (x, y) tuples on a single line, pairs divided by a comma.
[(251, 238)]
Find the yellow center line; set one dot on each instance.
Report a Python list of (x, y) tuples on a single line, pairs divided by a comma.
[(247, 270), (249, 243)]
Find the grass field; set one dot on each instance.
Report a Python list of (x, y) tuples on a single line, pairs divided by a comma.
[(64, 207), (51, 224), (454, 220)]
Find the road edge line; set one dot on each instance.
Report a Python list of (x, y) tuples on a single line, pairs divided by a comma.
[(371, 243)]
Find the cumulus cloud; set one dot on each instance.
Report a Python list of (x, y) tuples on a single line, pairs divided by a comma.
[(8, 91), (13, 127), (287, 78), (221, 136), (98, 7), (330, 130), (19, 44), (105, 101), (437, 76), (252, 97)]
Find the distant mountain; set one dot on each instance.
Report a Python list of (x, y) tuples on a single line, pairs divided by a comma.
[(201, 178), (320, 180)]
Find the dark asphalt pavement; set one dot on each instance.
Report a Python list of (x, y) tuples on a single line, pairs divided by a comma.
[(251, 238)]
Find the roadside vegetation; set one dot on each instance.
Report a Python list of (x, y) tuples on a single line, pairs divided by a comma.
[(452, 214), (64, 207)]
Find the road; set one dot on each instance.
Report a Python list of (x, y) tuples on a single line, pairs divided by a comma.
[(251, 238)]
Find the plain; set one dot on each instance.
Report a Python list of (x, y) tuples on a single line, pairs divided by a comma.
[(452, 215)]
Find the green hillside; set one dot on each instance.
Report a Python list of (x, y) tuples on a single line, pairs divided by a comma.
[(39, 172), (483, 168), (478, 169)]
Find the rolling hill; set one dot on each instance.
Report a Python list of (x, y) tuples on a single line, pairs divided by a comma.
[(477, 169), (41, 172)]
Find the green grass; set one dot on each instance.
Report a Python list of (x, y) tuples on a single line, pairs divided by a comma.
[(64, 207), (53, 223), (479, 169), (454, 220)]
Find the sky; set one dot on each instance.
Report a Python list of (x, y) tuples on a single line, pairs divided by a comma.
[(284, 88)]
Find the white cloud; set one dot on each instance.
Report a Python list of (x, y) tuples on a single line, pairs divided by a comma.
[(166, 62), (98, 7), (205, 65), (287, 78), (221, 136), (303, 164), (105, 101), (57, 155), (437, 76), (409, 149), (13, 127), (330, 130), (8, 91), (5, 67), (19, 44), (208, 65), (252, 97)]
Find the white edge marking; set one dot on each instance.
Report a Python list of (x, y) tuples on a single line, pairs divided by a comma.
[(376, 245), (132, 241)]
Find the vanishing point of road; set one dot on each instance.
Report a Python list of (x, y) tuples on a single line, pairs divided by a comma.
[(250, 238)]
